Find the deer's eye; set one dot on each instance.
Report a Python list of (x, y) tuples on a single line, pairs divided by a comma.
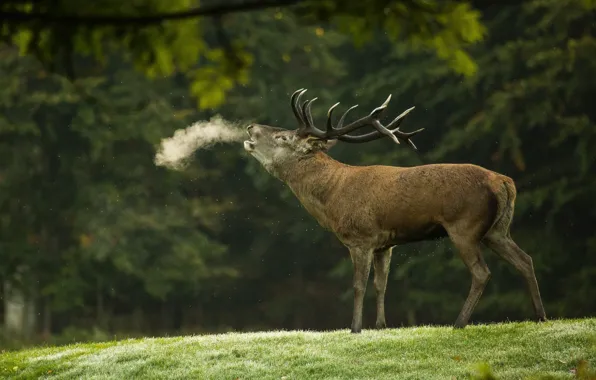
[(282, 138)]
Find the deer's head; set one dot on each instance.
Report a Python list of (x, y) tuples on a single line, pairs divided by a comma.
[(275, 147)]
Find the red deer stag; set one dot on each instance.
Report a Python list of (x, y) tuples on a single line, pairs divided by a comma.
[(371, 209)]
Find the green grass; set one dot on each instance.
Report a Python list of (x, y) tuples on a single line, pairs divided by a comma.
[(512, 350)]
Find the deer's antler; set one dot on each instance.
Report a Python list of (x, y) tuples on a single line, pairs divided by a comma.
[(340, 132)]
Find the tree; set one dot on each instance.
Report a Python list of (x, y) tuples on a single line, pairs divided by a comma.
[(84, 207), (164, 37)]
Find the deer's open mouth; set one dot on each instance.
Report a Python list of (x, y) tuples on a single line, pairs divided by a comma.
[(249, 145)]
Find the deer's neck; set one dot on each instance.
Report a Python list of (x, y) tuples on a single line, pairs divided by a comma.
[(314, 180)]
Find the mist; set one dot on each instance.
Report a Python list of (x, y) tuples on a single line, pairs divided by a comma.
[(174, 152)]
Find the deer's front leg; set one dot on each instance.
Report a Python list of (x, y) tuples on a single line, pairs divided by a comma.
[(361, 259), (381, 263)]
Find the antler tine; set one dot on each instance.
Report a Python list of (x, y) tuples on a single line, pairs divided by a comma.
[(363, 121), (294, 100), (309, 128), (397, 121), (377, 134), (381, 129), (303, 114), (403, 135), (329, 113), (372, 119), (302, 108), (377, 111), (302, 129), (340, 123), (307, 114)]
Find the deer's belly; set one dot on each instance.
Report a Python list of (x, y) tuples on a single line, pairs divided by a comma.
[(380, 238), (426, 232)]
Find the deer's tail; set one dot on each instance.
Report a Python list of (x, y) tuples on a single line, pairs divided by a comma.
[(505, 195)]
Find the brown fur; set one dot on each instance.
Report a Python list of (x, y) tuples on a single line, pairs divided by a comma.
[(371, 209)]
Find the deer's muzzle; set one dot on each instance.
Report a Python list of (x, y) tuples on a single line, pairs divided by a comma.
[(249, 145)]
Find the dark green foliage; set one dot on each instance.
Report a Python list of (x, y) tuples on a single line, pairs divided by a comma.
[(84, 208), (527, 114), (116, 242), (164, 37)]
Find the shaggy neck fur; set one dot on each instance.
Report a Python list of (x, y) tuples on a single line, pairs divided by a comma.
[(314, 180)]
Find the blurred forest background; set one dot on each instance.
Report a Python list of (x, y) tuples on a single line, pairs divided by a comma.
[(97, 242)]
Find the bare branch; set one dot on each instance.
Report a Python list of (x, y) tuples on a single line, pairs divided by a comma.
[(96, 20)]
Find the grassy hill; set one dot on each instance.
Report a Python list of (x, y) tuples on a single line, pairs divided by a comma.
[(552, 350)]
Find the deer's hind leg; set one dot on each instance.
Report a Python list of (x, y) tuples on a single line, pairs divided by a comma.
[(503, 245), (466, 238), (471, 255)]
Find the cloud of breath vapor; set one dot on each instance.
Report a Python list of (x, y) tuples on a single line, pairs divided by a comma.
[(174, 152)]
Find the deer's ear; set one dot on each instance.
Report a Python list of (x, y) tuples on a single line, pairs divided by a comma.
[(319, 144), (323, 145), (329, 144)]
